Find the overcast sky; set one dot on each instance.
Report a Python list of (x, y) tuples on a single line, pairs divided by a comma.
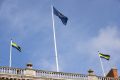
[(93, 25)]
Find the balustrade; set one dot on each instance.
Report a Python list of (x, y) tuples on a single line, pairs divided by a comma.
[(60, 75), (49, 74), (106, 78), (9, 70)]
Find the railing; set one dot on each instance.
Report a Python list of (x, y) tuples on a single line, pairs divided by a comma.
[(60, 75), (107, 78), (9, 70), (49, 74)]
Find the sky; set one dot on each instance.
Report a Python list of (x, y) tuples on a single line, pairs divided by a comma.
[(93, 26)]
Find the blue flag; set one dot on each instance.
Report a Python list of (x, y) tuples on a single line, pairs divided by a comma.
[(63, 18)]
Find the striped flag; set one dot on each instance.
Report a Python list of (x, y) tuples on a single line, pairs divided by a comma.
[(16, 46), (105, 56)]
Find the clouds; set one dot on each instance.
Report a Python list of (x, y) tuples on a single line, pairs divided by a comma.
[(83, 54), (90, 28), (23, 20), (107, 41)]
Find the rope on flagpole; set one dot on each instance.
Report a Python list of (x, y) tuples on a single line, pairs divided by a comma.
[(56, 54)]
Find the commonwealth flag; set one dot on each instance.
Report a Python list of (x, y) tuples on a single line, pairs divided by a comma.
[(63, 18), (16, 46), (105, 56)]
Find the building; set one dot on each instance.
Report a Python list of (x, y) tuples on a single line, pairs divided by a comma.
[(9, 73)]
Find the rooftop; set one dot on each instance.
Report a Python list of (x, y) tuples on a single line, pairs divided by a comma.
[(32, 74)]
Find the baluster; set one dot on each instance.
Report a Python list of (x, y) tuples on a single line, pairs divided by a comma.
[(15, 71), (41, 73), (22, 72), (36, 73), (12, 70), (3, 70), (64, 75), (7, 70), (57, 75), (0, 70), (54, 74), (50, 74)]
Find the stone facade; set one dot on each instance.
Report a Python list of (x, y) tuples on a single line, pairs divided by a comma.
[(8, 73)]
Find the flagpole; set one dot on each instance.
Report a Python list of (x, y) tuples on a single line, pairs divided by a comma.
[(10, 61), (56, 55), (102, 67)]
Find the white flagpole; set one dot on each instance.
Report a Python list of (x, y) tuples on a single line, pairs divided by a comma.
[(56, 55), (102, 67), (10, 61)]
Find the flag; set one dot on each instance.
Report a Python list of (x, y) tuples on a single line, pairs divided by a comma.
[(105, 56), (63, 18), (16, 46)]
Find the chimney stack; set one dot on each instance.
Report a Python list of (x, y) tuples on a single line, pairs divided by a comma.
[(113, 73)]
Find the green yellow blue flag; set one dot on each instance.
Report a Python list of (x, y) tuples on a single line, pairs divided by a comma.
[(105, 56), (16, 46)]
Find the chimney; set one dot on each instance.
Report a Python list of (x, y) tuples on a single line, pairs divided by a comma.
[(113, 73)]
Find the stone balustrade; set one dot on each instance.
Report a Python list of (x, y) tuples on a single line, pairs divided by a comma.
[(106, 78), (8, 70), (60, 75), (48, 74)]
